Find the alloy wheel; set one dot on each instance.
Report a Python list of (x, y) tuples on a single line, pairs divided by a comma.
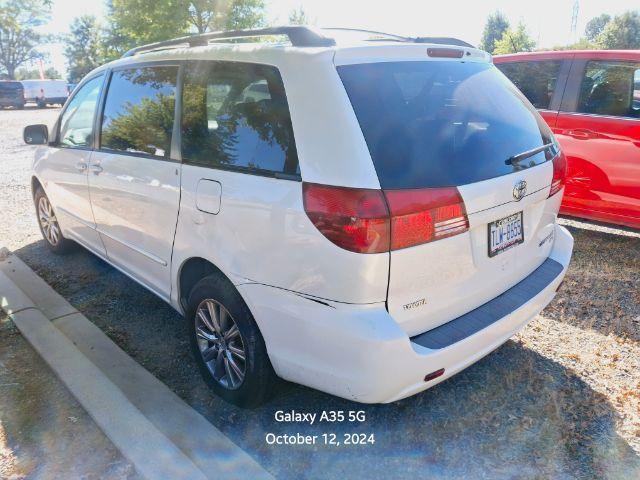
[(48, 221), (220, 343)]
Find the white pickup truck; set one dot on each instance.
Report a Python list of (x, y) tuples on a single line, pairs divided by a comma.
[(45, 92)]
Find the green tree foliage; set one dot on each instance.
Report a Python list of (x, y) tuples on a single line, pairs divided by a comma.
[(83, 47), (514, 41), (34, 73), (623, 32), (18, 35), (241, 14), (582, 44), (493, 31), (595, 26), (138, 22), (299, 17)]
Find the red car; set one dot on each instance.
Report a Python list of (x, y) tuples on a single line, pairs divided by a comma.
[(591, 101)]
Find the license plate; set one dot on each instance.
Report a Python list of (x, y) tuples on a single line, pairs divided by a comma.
[(505, 233)]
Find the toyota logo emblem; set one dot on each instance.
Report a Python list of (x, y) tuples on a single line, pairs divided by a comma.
[(519, 190)]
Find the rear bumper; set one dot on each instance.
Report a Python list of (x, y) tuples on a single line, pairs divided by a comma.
[(359, 352)]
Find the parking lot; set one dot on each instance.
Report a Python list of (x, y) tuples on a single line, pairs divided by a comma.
[(561, 400)]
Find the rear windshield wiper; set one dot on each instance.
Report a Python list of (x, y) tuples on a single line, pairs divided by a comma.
[(528, 153)]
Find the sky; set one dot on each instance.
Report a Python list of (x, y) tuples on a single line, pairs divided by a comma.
[(548, 21)]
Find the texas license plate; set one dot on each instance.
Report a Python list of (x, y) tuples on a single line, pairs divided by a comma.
[(505, 233)]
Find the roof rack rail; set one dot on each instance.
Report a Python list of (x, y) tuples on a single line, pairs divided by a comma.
[(373, 32), (401, 38), (299, 36), (442, 41)]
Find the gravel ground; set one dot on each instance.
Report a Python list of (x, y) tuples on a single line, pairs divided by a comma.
[(560, 400)]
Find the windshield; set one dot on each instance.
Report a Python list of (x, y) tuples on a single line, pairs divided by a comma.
[(442, 123)]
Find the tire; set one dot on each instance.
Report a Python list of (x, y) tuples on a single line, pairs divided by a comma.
[(259, 379), (49, 227)]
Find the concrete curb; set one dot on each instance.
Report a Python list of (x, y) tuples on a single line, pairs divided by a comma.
[(158, 432)]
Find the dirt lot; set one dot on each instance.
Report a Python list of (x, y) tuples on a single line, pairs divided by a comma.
[(561, 400)]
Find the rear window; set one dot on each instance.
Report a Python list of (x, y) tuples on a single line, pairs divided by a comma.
[(442, 123), (536, 80)]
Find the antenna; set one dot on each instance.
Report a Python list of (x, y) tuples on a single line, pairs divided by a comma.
[(574, 22)]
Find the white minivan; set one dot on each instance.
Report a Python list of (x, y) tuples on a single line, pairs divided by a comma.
[(365, 218)]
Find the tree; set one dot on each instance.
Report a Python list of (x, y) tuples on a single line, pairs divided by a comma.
[(623, 32), (138, 22), (514, 41), (33, 73), (299, 17), (495, 27), (595, 26), (83, 47), (582, 44), (243, 14), (18, 35)]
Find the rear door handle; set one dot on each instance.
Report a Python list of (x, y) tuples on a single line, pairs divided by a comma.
[(81, 166), (96, 169), (582, 133)]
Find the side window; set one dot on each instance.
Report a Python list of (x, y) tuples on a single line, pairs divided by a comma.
[(139, 111), (76, 123), (610, 88), (236, 115), (536, 80)]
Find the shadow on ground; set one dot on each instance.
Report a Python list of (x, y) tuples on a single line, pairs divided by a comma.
[(601, 290), (515, 414)]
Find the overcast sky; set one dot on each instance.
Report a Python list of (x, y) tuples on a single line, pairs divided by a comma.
[(548, 21)]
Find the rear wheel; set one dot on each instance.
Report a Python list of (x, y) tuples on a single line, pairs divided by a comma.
[(227, 344), (49, 225)]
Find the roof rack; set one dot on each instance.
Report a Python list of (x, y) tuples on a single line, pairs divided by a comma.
[(298, 36), (391, 36), (443, 41), (400, 38)]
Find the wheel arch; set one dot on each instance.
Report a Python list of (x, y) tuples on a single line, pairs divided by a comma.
[(193, 270), (35, 184)]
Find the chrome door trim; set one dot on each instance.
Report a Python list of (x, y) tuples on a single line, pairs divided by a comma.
[(150, 256), (121, 270), (76, 218)]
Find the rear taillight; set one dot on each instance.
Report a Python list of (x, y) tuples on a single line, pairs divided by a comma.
[(373, 221), (353, 218), (426, 214), (559, 173)]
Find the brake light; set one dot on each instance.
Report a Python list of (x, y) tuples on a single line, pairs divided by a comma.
[(373, 221), (353, 218), (559, 173), (424, 215)]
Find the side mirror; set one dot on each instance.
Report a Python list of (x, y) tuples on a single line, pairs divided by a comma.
[(36, 135)]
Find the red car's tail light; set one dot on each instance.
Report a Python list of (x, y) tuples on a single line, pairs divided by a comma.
[(559, 173), (355, 219), (423, 215)]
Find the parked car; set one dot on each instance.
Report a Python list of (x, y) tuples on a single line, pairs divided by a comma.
[(45, 92), (366, 219), (591, 101), (11, 94)]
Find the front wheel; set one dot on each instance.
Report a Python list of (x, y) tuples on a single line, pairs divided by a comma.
[(49, 225), (227, 344)]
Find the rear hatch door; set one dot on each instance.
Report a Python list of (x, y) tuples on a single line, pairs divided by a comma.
[(456, 124)]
